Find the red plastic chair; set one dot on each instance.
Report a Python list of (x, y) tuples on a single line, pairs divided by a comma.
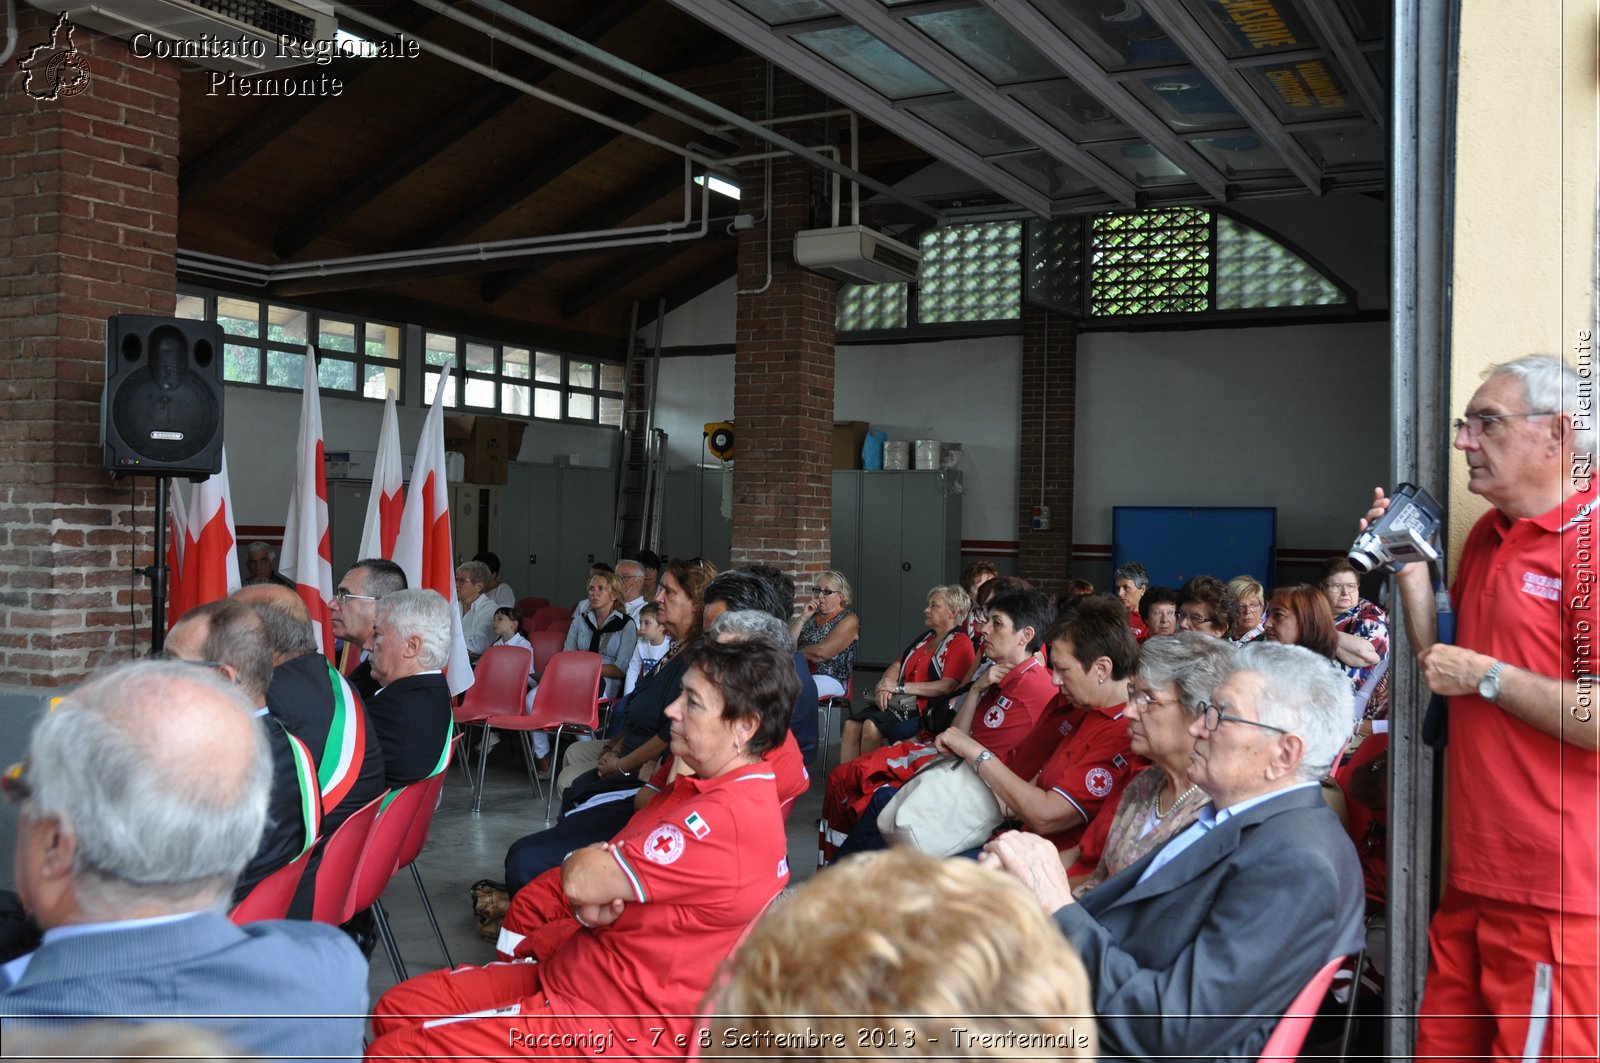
[(528, 606), (271, 897), (569, 696), (547, 617), (546, 644), (1290, 1033), (416, 838), (381, 857), (341, 852), (499, 686)]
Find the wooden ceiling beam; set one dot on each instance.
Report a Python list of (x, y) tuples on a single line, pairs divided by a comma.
[(582, 297), (245, 140), (373, 181)]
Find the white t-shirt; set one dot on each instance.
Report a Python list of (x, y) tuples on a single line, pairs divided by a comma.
[(644, 661)]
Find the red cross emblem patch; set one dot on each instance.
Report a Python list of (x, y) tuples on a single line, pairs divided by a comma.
[(664, 845)]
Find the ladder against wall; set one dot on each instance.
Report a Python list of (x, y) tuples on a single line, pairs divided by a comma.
[(640, 480)]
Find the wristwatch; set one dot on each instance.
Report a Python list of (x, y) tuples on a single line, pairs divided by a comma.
[(1489, 685), (987, 754), (900, 688)]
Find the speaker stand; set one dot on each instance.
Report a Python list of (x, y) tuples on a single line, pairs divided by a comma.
[(157, 573)]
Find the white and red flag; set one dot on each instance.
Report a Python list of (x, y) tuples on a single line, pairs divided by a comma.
[(388, 499), (210, 555), (307, 554), (423, 548)]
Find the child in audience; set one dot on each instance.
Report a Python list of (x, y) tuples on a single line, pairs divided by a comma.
[(508, 632), (648, 651)]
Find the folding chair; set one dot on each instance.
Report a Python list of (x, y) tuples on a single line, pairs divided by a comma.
[(381, 857), (341, 852), (416, 838), (569, 696), (1283, 1046)]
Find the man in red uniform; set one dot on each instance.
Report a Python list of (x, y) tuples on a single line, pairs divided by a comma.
[(1523, 890)]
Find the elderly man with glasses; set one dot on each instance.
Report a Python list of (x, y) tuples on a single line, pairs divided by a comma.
[(1516, 932), (1197, 949), (144, 796)]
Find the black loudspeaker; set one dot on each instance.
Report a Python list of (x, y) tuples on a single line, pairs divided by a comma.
[(161, 411)]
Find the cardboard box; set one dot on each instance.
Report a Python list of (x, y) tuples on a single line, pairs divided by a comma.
[(349, 464), (848, 436), (484, 443)]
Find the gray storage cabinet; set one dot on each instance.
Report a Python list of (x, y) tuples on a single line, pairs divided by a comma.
[(896, 535)]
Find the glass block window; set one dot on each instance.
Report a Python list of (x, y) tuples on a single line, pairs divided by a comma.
[(1053, 266), (871, 306), (970, 273), (1150, 262), (1254, 270)]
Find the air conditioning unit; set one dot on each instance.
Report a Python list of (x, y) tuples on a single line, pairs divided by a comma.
[(856, 254), (242, 36)]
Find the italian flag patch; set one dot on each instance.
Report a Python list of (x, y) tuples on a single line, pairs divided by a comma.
[(697, 826)]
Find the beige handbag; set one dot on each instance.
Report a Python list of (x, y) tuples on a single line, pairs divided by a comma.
[(942, 810)]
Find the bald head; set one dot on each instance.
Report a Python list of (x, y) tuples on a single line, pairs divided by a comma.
[(149, 794), (288, 621)]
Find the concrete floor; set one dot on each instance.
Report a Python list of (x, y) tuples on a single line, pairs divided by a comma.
[(464, 847)]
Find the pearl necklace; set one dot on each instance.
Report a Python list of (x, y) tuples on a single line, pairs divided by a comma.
[(1160, 815)]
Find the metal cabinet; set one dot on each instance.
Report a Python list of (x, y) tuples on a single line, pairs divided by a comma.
[(556, 521), (895, 536), (692, 515)]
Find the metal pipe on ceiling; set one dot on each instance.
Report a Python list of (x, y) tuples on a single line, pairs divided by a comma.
[(682, 95)]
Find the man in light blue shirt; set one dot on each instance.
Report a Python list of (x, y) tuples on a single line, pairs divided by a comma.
[(144, 795), (1197, 949)]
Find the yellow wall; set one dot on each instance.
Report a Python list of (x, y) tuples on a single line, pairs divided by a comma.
[(1525, 193)]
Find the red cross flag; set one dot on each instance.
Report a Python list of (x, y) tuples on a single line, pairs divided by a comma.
[(387, 502), (307, 555), (209, 558), (423, 548)]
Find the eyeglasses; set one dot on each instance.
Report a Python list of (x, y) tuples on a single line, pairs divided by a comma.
[(1195, 619), (1214, 716), (1144, 701), (342, 596), (14, 783), (1477, 424), (1342, 588), (823, 592)]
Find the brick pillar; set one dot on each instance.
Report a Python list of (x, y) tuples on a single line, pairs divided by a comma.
[(90, 181), (783, 362), (1047, 411)]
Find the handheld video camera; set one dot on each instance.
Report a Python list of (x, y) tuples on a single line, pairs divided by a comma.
[(1403, 534)]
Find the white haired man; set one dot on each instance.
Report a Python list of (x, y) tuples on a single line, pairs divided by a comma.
[(143, 796), (1523, 886), (1197, 949), (411, 710)]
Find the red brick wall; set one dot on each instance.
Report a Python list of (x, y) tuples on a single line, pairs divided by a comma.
[(1048, 413), (90, 182), (783, 366)]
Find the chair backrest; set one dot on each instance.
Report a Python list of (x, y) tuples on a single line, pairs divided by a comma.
[(569, 691), (1283, 1046), (546, 644), (499, 683), (417, 836), (530, 605), (548, 617), (271, 897), (561, 627), (341, 852), (384, 843)]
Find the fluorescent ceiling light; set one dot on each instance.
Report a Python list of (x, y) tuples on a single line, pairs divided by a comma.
[(720, 185)]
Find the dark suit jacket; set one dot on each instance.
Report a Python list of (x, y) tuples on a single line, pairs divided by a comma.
[(293, 784), (205, 965), (361, 678), (301, 695), (412, 718), (1201, 960)]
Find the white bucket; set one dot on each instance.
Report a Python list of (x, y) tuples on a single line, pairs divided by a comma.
[(896, 455), (927, 453)]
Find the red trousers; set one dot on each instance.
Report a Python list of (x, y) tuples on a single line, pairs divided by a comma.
[(852, 784), (1482, 959), (539, 921)]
